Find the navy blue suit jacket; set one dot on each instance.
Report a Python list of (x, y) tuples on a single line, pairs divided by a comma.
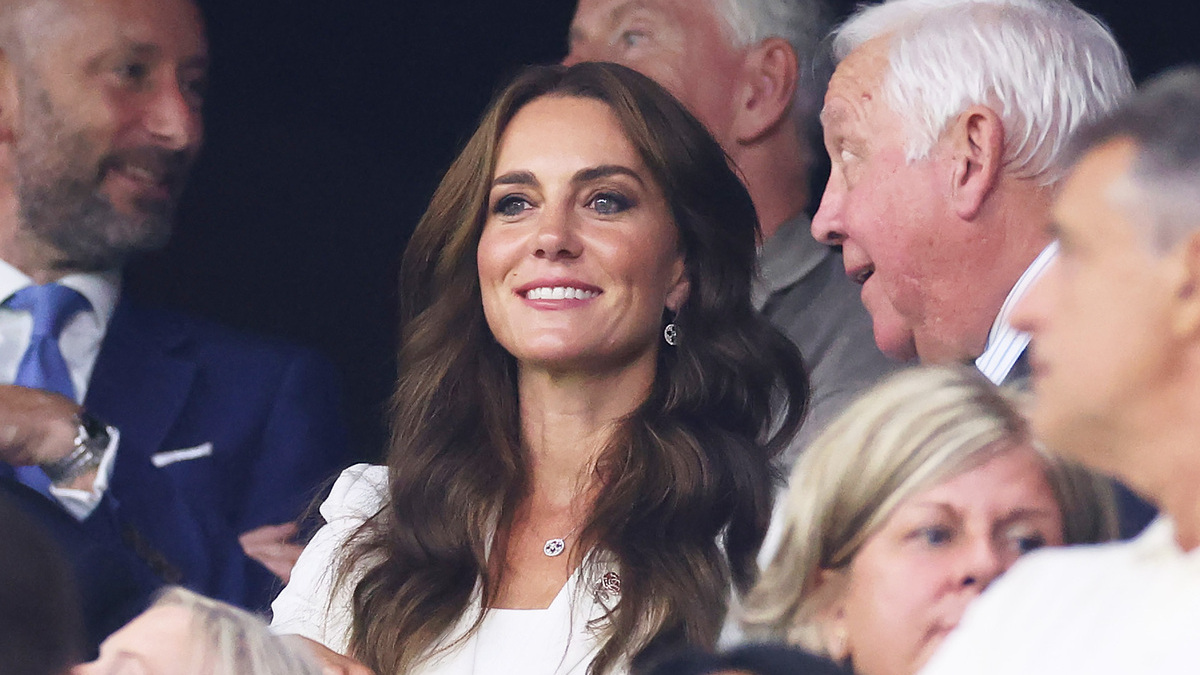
[(114, 584), (263, 421)]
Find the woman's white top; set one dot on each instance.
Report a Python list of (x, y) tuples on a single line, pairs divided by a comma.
[(559, 640)]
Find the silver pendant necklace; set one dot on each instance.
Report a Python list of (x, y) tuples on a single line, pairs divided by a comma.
[(554, 547)]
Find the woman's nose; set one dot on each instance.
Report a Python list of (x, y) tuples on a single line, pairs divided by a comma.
[(982, 562), (557, 235)]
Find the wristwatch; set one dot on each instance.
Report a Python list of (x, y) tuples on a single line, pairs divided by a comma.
[(91, 440)]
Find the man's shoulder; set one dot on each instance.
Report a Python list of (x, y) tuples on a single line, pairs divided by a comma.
[(820, 305), (808, 293), (790, 255), (824, 316), (178, 332), (1023, 616), (1079, 554), (1045, 589), (1111, 608), (1067, 566)]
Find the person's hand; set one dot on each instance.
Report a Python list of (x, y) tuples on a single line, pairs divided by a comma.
[(272, 546), (36, 426), (333, 663)]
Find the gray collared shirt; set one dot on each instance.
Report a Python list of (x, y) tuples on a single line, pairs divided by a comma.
[(803, 290)]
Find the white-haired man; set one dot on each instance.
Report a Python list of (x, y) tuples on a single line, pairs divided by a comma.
[(748, 70), (945, 122), (1115, 368)]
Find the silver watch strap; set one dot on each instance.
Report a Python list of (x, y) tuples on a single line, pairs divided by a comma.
[(91, 439)]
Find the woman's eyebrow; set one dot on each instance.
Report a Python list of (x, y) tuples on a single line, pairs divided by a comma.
[(1024, 513), (516, 178), (604, 171)]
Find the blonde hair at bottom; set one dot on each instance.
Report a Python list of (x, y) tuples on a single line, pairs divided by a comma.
[(914, 430), (236, 642)]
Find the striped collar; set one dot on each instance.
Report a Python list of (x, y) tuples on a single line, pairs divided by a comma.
[(1006, 344)]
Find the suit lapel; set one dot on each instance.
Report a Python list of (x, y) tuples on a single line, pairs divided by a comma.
[(139, 383)]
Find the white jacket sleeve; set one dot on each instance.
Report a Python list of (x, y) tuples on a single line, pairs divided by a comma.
[(309, 605)]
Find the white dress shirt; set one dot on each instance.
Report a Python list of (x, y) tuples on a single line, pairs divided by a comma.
[(1006, 344), (79, 341), (559, 640), (1120, 608)]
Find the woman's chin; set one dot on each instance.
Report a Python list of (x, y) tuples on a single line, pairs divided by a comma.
[(570, 357), (932, 643)]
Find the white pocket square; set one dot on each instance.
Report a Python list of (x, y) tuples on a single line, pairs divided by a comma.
[(161, 459)]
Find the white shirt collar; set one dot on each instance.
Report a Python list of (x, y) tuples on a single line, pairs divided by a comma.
[(100, 288), (1006, 344)]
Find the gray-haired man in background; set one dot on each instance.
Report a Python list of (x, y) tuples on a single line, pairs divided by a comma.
[(747, 70)]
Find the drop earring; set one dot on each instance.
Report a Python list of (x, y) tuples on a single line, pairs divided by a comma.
[(671, 334)]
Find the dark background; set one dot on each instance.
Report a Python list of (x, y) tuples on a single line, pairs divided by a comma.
[(329, 123)]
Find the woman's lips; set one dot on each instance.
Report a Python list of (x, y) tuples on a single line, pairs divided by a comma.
[(559, 293)]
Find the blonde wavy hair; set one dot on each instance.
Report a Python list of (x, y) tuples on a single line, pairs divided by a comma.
[(914, 430), (236, 642)]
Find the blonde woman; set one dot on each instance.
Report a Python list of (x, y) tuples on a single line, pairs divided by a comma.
[(188, 634), (904, 510)]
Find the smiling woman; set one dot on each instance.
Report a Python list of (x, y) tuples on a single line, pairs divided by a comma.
[(567, 183), (553, 452), (905, 509)]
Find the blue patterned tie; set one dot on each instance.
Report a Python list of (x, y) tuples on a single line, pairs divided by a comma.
[(43, 366)]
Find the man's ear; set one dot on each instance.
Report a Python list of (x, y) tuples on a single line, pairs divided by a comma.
[(1185, 283), (831, 615), (769, 74), (976, 150), (9, 107)]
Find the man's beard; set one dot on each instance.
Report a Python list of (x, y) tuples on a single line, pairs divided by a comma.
[(61, 203)]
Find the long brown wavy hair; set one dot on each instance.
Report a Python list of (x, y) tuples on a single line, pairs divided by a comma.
[(686, 479)]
